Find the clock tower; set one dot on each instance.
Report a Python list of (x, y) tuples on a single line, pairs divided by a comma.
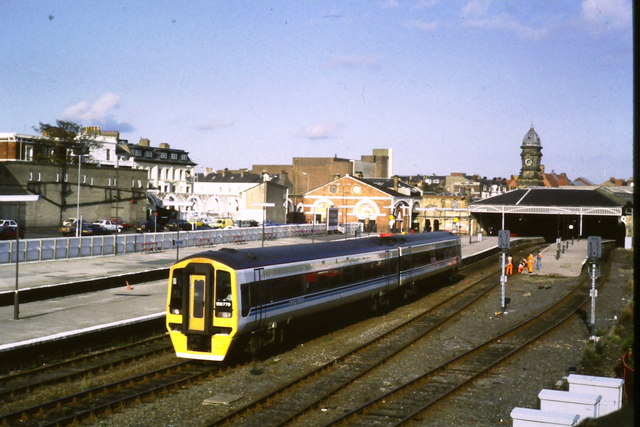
[(531, 155)]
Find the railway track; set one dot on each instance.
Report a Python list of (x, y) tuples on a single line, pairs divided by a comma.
[(406, 402), (79, 406), (292, 400), (291, 403), (19, 382)]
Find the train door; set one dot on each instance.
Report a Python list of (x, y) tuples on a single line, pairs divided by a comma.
[(260, 297), (210, 304), (197, 303)]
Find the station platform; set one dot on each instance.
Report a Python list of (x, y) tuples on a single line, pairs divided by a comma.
[(74, 315)]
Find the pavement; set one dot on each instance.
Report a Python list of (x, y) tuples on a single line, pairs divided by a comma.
[(69, 316)]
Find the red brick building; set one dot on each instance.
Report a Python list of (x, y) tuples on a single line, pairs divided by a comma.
[(377, 208)]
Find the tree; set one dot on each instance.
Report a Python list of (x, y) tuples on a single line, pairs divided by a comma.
[(61, 140), (58, 144)]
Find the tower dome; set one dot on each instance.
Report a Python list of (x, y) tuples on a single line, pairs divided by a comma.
[(531, 139)]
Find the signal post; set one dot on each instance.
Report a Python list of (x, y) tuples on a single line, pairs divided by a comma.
[(594, 253), (503, 244)]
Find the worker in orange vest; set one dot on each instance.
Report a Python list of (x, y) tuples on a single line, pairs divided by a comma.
[(521, 266), (509, 269), (530, 262)]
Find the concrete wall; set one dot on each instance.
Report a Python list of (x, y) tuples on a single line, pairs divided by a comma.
[(105, 192)]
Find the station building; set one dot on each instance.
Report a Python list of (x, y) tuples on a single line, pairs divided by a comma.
[(376, 207)]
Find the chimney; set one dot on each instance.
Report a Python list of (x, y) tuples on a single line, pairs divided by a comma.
[(164, 145), (395, 182), (144, 142), (359, 174)]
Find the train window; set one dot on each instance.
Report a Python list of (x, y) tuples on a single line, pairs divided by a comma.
[(223, 294), (198, 299), (290, 287), (177, 288)]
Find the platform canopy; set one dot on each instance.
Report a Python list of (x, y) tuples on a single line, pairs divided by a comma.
[(551, 201), (564, 212)]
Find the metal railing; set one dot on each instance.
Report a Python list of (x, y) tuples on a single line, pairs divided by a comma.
[(53, 248)]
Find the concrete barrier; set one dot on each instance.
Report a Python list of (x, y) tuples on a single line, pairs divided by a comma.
[(609, 388), (585, 405), (525, 417)]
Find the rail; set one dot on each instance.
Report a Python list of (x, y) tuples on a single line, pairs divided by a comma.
[(55, 248)]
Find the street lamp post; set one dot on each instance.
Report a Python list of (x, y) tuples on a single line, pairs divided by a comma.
[(16, 294), (78, 222), (264, 207)]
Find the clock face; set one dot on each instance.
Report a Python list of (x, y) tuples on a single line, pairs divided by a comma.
[(528, 161), (356, 189)]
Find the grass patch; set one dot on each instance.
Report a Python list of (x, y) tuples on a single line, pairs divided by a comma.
[(602, 358)]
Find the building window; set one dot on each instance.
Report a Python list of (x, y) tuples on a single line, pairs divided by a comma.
[(184, 157), (66, 177), (108, 182), (163, 155), (84, 179), (174, 156), (137, 152), (148, 154), (91, 181), (57, 177)]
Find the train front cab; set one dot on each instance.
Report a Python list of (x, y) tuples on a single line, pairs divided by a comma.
[(201, 309)]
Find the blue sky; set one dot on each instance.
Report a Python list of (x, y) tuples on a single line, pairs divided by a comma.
[(450, 86)]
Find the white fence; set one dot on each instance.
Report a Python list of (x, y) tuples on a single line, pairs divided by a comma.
[(73, 247)]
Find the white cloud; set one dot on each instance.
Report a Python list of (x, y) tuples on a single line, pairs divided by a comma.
[(324, 130), (602, 16), (476, 14), (367, 61), (216, 124), (98, 111), (476, 8)]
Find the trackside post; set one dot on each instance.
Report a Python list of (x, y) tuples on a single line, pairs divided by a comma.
[(503, 244), (594, 253)]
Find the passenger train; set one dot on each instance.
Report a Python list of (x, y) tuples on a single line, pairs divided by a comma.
[(217, 298)]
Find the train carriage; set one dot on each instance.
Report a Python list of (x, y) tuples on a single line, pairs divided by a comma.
[(217, 297)]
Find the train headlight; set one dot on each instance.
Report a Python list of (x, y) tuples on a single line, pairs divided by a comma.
[(175, 311)]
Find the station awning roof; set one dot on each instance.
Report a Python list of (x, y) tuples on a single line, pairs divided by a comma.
[(551, 201)]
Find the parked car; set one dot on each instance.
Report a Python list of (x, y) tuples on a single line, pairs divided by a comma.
[(198, 223), (246, 223), (147, 227), (119, 221), (109, 225), (88, 229), (222, 223), (9, 229), (66, 226), (178, 224)]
